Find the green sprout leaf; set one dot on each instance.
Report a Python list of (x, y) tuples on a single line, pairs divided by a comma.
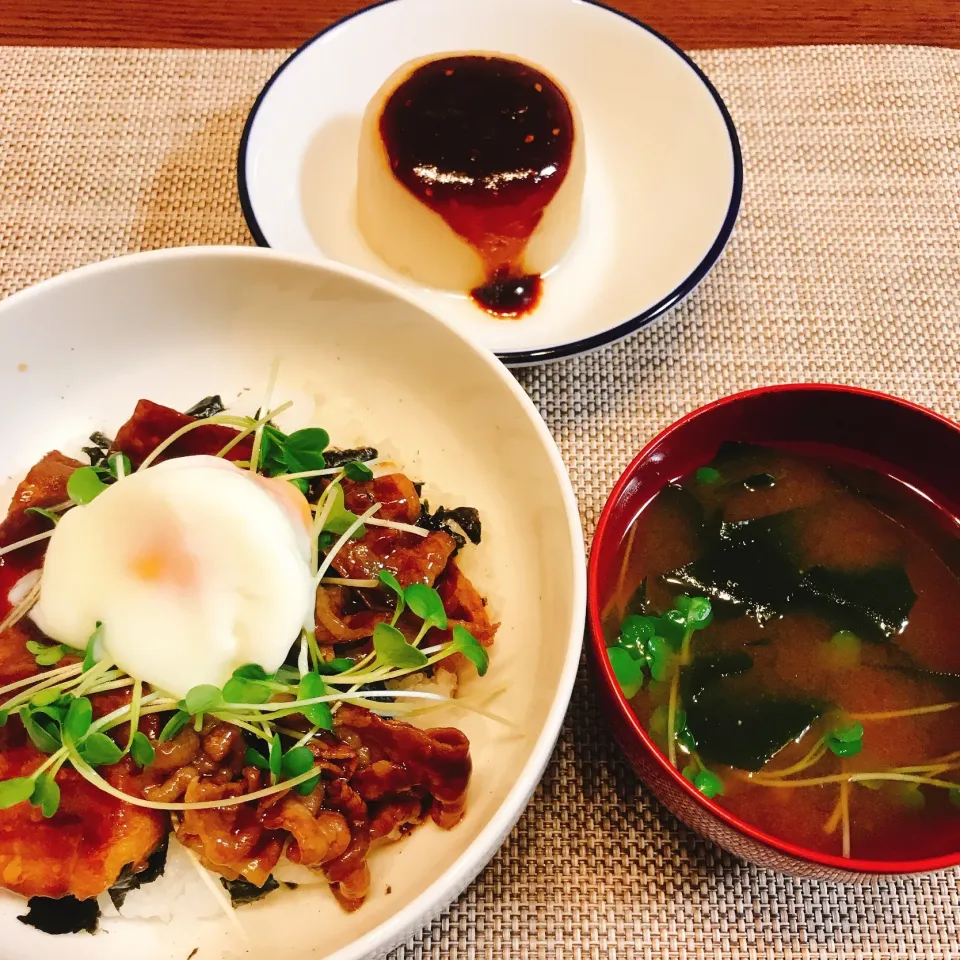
[(954, 795), (327, 540), (272, 443), (43, 512), (392, 583), (253, 758), (425, 602), (340, 519), (44, 733), (682, 733), (275, 759), (204, 698), (393, 650), (303, 449), (45, 698), (844, 650), (697, 611), (308, 786), (239, 690), (174, 725), (707, 475), (336, 665), (629, 672), (690, 771), (78, 719), (84, 485), (247, 685), (93, 647), (635, 634), (15, 791), (708, 783), (312, 686), (840, 749), (113, 463), (357, 471), (466, 643), (672, 627), (46, 795), (845, 740), (99, 750), (296, 760), (251, 671), (658, 658), (141, 749), (847, 733), (46, 655)]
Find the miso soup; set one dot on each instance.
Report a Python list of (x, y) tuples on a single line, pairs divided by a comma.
[(787, 629)]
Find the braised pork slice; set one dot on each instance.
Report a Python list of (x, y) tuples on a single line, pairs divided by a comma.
[(45, 485), (82, 848), (153, 423)]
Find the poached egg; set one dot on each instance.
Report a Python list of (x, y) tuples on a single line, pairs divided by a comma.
[(194, 567)]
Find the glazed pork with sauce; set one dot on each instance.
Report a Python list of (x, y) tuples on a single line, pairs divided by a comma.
[(378, 777)]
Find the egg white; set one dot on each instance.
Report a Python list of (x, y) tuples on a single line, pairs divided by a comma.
[(193, 567)]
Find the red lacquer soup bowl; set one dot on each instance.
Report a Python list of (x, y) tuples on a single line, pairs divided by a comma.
[(901, 439)]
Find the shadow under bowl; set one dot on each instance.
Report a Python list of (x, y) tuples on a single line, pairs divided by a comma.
[(906, 441)]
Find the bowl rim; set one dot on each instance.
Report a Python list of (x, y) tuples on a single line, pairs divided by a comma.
[(445, 887), (583, 345), (605, 675)]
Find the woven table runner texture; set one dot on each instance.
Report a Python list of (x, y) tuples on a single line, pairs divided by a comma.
[(844, 267)]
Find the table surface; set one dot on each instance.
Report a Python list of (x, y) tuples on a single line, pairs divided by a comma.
[(694, 24)]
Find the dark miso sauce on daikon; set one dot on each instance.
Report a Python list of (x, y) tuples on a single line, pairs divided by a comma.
[(484, 142)]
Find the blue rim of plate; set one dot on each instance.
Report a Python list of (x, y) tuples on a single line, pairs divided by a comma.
[(572, 348)]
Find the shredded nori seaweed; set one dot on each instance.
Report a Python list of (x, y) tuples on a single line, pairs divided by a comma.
[(875, 604), (128, 880), (748, 568), (101, 447), (243, 891), (337, 458), (56, 915), (467, 519), (207, 407), (752, 568), (733, 724)]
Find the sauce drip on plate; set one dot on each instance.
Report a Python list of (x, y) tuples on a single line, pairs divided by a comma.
[(484, 142)]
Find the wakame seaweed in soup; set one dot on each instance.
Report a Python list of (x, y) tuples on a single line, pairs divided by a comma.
[(787, 629)]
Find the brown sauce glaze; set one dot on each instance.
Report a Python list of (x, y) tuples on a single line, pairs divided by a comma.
[(485, 142)]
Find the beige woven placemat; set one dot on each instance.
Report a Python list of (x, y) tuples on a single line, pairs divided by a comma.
[(845, 266)]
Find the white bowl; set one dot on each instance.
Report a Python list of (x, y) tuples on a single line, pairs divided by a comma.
[(664, 172), (370, 365)]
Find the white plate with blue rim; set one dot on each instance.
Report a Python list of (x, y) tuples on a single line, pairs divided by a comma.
[(663, 168)]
